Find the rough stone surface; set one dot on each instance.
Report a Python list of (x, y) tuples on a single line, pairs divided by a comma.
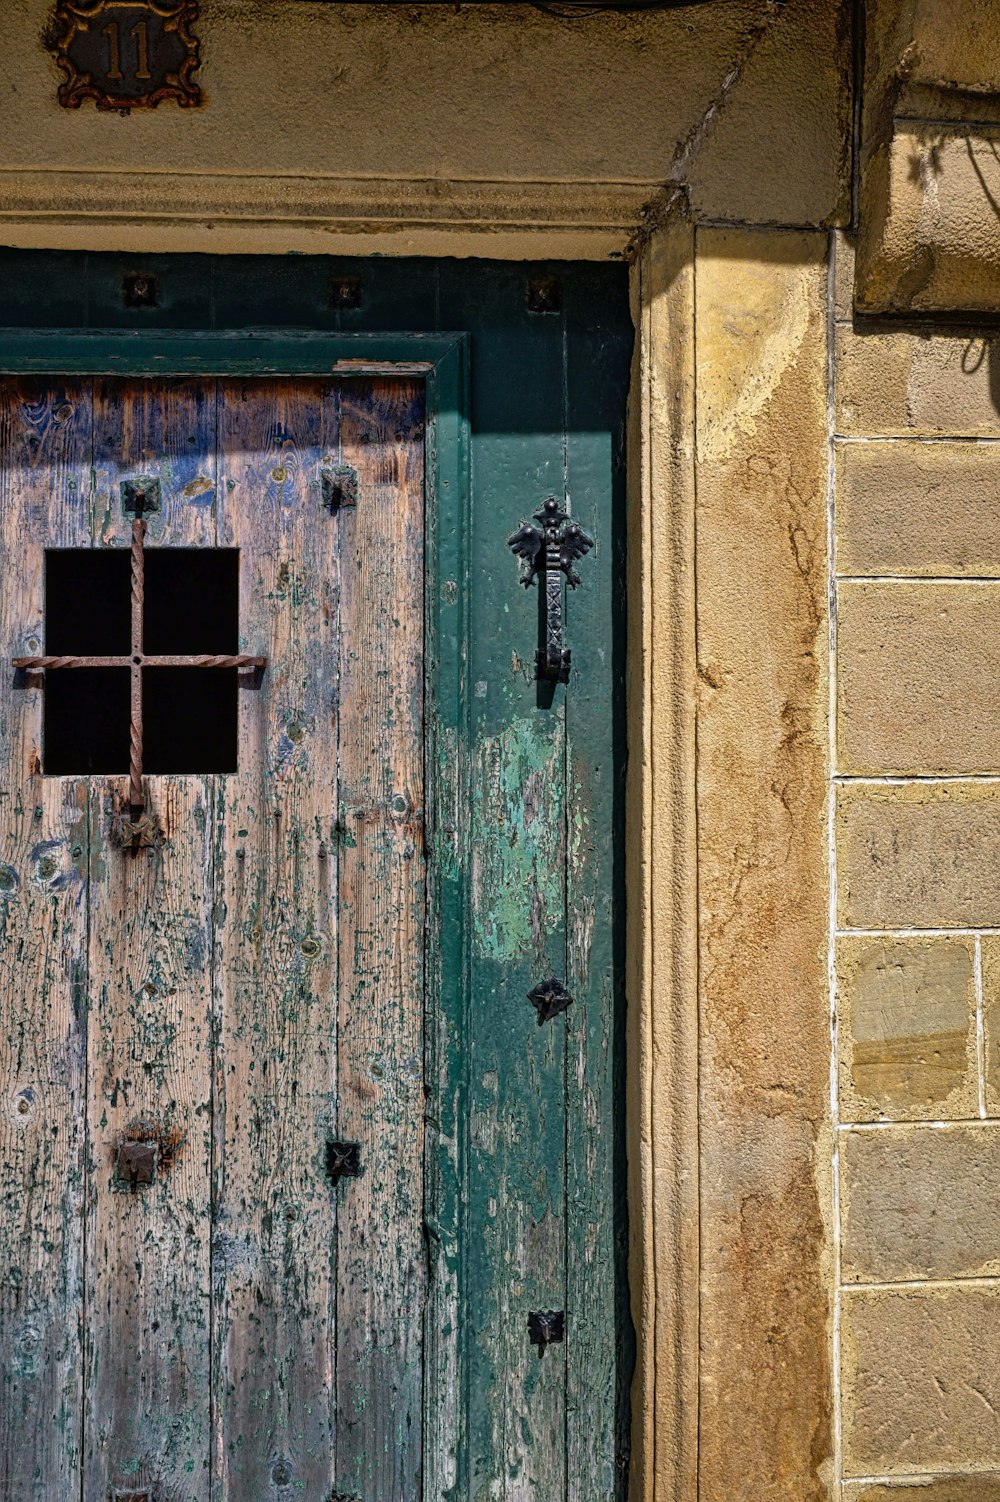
[(928, 237), (923, 509), (982, 1488), (901, 381), (929, 166), (765, 1419), (662, 877), (438, 129), (843, 275), (906, 1014), (918, 669), (920, 1202), (921, 856), (921, 1380)]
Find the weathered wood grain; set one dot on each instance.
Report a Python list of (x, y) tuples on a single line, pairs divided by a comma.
[(516, 1198), (148, 1248), (147, 1347), (163, 430), (596, 1439), (381, 1272), (45, 446), (276, 959)]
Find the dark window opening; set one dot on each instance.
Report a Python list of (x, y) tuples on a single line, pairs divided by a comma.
[(190, 713)]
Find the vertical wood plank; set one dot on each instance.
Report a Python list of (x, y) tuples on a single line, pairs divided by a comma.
[(148, 1277), (276, 956), (516, 1196), (163, 430), (146, 1411), (599, 1345), (45, 451), (381, 1264)]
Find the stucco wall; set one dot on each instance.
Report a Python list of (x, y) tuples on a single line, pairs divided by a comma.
[(429, 129)]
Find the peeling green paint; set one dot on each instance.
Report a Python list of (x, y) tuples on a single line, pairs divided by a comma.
[(517, 840)]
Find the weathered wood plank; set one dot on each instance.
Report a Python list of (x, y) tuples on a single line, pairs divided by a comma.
[(45, 452), (276, 956), (381, 1272), (148, 1248), (146, 1417), (596, 1218), (163, 430), (516, 1188)]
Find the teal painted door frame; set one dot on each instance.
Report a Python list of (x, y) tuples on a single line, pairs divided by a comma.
[(525, 1173)]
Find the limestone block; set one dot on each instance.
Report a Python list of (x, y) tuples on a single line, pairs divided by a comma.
[(749, 165), (921, 1380), (957, 1488), (920, 1202), (903, 381), (991, 1020), (921, 855), (916, 508), (956, 46), (764, 1132), (918, 678), (906, 1029), (928, 239)]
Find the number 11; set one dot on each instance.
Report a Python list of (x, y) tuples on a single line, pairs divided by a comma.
[(141, 34)]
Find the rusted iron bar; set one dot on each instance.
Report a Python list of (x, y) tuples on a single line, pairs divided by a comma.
[(155, 660), (134, 663), (135, 795)]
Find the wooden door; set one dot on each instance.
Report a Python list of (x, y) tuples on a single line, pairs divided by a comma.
[(234, 1012)]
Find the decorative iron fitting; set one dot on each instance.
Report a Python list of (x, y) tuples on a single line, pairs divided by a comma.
[(551, 550), (137, 833), (549, 998), (343, 1161), (339, 484), (136, 1163), (140, 495), (546, 1327)]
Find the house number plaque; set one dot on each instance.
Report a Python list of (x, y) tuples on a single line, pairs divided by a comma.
[(126, 54)]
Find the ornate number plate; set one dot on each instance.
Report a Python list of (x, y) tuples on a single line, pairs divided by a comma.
[(126, 54)]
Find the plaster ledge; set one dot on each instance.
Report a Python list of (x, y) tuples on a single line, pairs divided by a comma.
[(216, 211)]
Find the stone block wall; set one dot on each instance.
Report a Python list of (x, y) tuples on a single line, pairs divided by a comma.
[(915, 961)]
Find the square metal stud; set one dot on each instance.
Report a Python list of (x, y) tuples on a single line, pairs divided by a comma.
[(140, 495), (549, 998), (544, 294), (340, 486), (140, 289), (137, 1163), (343, 1161), (546, 1327), (345, 292)]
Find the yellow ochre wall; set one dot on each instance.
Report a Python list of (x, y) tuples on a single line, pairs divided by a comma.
[(805, 194)]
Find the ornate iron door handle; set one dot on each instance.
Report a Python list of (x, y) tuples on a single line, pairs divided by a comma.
[(551, 549)]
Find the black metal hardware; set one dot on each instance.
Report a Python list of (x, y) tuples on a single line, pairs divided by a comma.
[(140, 289), (546, 1327), (340, 485), (544, 295), (549, 998), (343, 1161), (136, 1163), (345, 292), (551, 549), (141, 495)]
